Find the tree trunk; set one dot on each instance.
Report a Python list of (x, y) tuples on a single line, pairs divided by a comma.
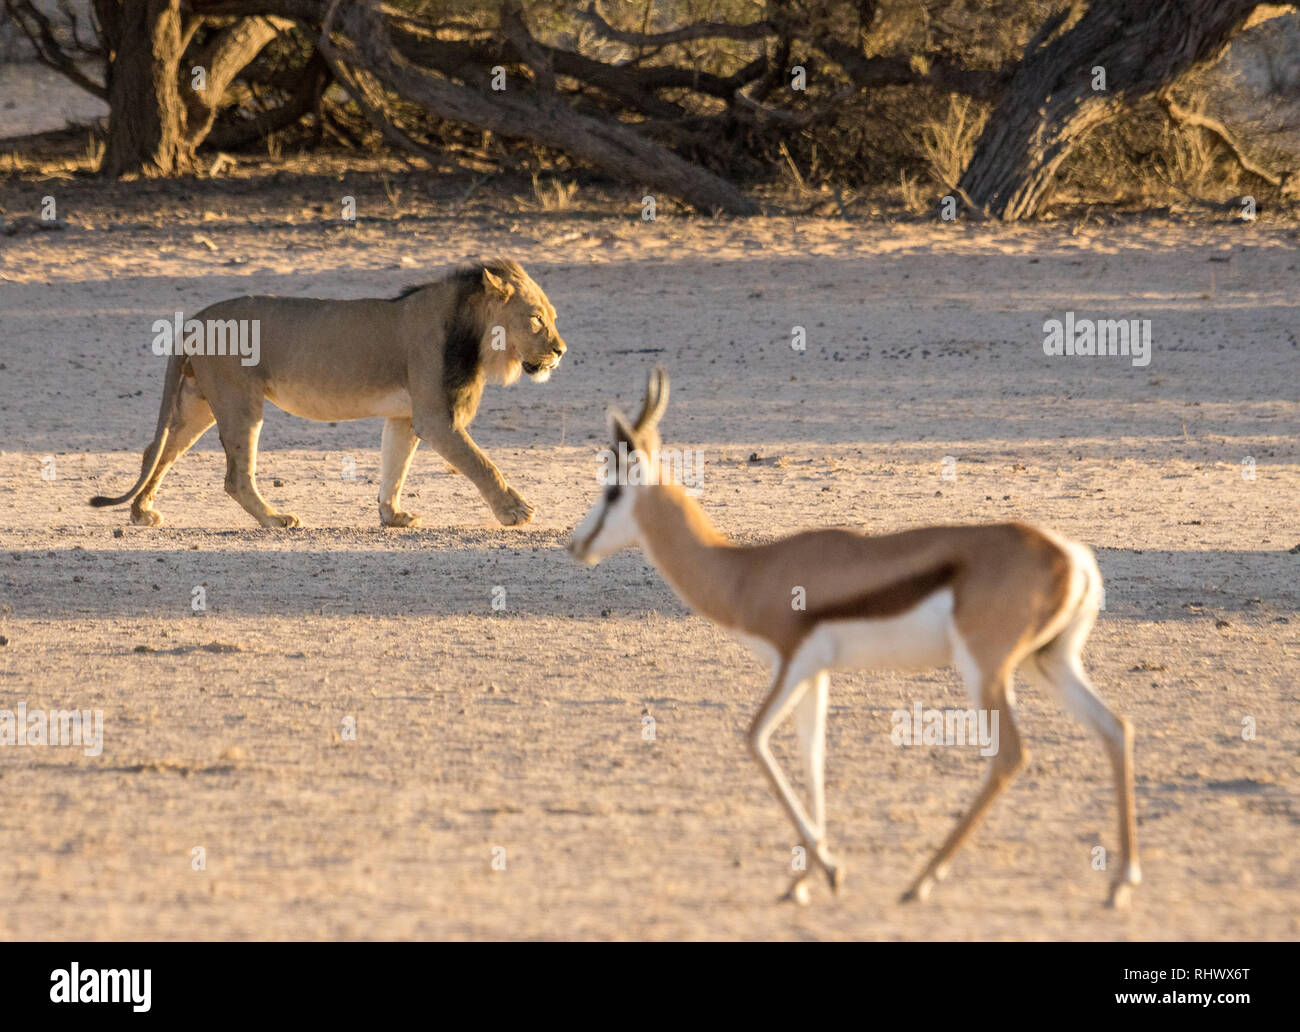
[(146, 116), (156, 120), (1050, 105)]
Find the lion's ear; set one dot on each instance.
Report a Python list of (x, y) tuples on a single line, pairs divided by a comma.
[(497, 286)]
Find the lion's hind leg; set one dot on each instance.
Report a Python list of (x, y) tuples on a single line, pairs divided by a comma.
[(191, 420), (239, 421)]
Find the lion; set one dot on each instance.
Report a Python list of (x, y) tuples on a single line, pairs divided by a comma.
[(419, 361)]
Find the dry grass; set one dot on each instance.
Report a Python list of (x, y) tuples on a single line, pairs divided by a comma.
[(554, 195), (913, 198), (946, 144)]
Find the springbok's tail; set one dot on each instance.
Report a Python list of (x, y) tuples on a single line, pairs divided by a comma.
[(166, 410), (1074, 620)]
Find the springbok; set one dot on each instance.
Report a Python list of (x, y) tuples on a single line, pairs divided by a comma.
[(989, 599)]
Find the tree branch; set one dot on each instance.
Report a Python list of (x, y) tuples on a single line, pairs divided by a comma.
[(606, 143), (223, 59), (696, 30), (932, 70), (515, 30), (1181, 116), (303, 98)]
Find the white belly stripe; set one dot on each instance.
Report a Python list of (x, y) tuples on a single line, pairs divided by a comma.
[(918, 639)]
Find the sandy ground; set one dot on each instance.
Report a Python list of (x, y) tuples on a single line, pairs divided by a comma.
[(36, 99), (521, 728)]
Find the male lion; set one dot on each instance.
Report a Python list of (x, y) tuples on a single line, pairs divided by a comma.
[(419, 360)]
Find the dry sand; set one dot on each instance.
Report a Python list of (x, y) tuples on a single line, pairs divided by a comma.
[(521, 728)]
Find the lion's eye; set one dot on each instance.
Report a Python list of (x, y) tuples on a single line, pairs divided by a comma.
[(536, 323)]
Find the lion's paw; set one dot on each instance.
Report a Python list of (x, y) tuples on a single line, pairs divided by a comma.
[(514, 510), (146, 517), (399, 519), (282, 520)]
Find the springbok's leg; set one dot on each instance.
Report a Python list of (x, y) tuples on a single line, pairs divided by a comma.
[(810, 725), (789, 686), (994, 693), (1062, 671)]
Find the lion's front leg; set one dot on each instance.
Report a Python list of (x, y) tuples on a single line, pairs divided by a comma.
[(458, 448), (399, 444)]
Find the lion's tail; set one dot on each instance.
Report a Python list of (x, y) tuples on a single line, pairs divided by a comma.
[(166, 410)]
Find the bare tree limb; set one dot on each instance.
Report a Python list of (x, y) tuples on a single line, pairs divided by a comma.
[(1181, 116), (222, 60), (515, 30), (696, 30), (369, 98), (304, 97), (915, 70)]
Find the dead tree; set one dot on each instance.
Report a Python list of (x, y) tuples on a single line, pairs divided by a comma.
[(1058, 94)]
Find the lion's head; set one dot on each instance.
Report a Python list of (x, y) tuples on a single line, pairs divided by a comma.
[(518, 322)]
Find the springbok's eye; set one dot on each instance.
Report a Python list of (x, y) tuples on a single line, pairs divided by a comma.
[(536, 323)]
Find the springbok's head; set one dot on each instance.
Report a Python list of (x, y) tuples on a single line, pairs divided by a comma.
[(628, 467)]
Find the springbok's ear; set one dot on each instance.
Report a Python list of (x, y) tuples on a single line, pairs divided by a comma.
[(620, 429), (656, 400), (496, 286), (659, 377)]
